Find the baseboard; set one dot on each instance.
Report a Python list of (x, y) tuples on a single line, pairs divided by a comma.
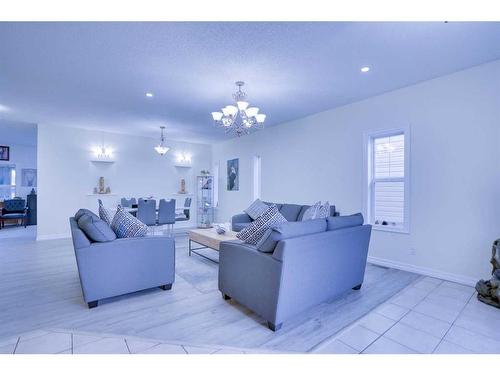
[(460, 279), (45, 237)]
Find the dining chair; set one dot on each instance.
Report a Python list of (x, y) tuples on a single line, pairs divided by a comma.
[(146, 212), (128, 202), (186, 211), (166, 214)]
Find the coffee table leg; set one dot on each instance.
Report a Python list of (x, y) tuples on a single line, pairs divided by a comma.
[(189, 247)]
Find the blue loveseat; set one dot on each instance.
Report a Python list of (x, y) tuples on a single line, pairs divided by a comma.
[(121, 266), (297, 266)]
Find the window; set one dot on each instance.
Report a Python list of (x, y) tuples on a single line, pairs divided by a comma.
[(387, 205), (7, 182), (257, 177)]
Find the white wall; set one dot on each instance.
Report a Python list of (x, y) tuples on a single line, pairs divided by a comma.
[(66, 175), (455, 176), (21, 138)]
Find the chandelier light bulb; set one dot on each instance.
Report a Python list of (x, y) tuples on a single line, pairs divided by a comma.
[(252, 111), (217, 116), (242, 105), (232, 110), (260, 118)]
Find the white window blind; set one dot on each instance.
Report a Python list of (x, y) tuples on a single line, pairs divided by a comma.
[(388, 180), (7, 181)]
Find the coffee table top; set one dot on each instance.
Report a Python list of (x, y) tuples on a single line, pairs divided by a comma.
[(210, 238)]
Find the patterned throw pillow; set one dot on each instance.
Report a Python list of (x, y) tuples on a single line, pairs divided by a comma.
[(256, 230), (311, 212), (324, 211), (125, 225), (256, 209), (105, 214)]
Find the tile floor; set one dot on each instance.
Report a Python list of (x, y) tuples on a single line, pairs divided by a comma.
[(429, 316), (76, 342)]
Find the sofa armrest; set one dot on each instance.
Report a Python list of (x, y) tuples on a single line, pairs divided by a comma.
[(250, 277)]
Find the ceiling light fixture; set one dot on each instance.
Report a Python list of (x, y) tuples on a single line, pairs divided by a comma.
[(239, 118), (365, 69), (161, 148), (149, 94)]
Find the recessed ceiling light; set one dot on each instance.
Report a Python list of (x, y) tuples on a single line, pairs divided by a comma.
[(149, 94), (365, 69)]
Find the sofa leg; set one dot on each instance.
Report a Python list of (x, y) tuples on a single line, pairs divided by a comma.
[(274, 327), (93, 304), (357, 287), (166, 287), (225, 297)]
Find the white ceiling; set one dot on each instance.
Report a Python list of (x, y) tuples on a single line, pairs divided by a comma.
[(95, 75)]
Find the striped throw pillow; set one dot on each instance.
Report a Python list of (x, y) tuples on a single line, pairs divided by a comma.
[(125, 225), (105, 214), (323, 211), (256, 230)]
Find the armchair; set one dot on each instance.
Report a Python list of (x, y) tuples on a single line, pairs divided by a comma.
[(14, 209)]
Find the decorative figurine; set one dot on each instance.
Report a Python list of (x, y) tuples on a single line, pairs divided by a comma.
[(489, 291), (101, 189), (183, 187)]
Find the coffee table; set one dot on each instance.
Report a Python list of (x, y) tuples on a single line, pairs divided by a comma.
[(208, 239)]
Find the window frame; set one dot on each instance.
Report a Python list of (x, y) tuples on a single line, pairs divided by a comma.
[(369, 180), (257, 177)]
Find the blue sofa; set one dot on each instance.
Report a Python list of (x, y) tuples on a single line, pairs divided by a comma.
[(304, 264), (123, 265), (291, 212)]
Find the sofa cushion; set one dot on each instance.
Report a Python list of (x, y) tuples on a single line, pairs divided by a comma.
[(290, 211), (339, 222), (83, 211), (289, 230), (254, 232), (125, 225), (96, 229), (256, 209)]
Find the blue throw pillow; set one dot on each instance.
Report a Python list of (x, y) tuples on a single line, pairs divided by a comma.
[(339, 222), (83, 211), (125, 225), (96, 229), (289, 230)]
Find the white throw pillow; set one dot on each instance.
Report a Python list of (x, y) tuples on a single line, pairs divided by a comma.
[(311, 212)]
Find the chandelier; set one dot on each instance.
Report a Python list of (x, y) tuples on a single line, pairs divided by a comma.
[(161, 148), (239, 119)]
